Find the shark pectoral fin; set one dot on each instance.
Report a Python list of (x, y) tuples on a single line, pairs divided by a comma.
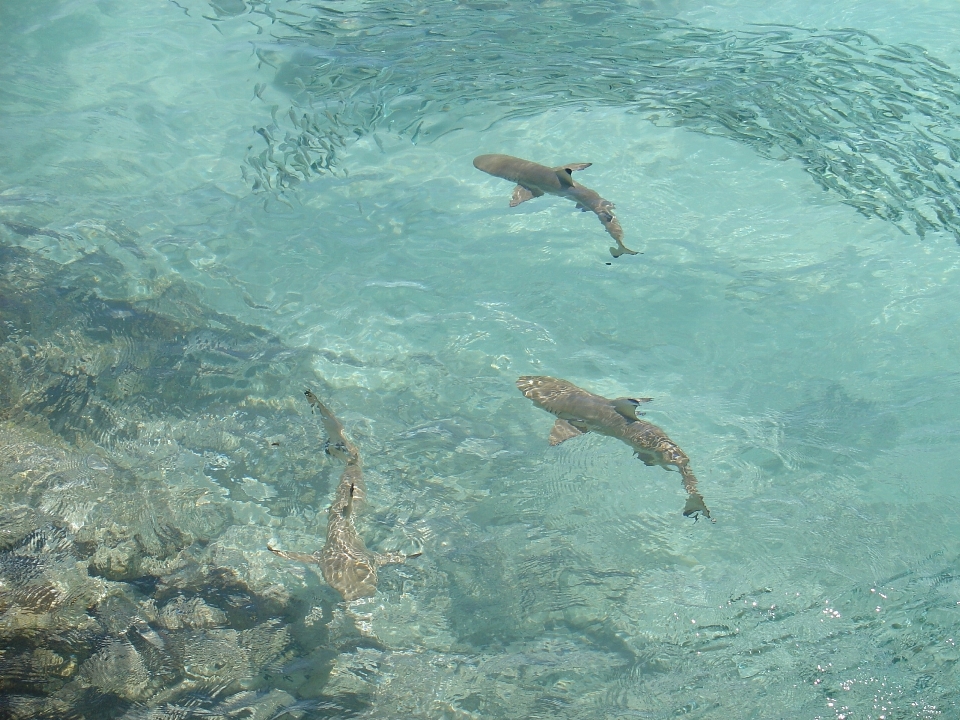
[(390, 558), (296, 556), (562, 430), (646, 458), (522, 194), (628, 406)]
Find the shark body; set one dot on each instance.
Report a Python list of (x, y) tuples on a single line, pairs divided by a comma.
[(534, 180), (579, 411), (345, 562)]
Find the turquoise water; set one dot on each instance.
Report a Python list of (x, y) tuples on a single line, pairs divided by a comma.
[(207, 207)]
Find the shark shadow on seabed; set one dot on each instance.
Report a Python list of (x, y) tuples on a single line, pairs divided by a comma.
[(345, 562)]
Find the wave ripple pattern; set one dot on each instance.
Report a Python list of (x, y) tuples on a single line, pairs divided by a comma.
[(872, 122)]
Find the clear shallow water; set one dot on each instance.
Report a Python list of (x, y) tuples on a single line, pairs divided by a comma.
[(163, 311)]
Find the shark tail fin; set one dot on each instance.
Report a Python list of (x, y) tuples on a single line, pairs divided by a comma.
[(622, 250), (696, 507), (612, 226)]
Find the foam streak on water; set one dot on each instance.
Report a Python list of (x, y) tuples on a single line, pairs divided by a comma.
[(206, 207)]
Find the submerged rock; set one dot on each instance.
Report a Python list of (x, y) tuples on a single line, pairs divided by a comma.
[(118, 594), (193, 613), (121, 562)]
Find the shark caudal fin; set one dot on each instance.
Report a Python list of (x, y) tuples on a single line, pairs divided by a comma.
[(604, 211), (612, 226), (619, 250), (695, 507)]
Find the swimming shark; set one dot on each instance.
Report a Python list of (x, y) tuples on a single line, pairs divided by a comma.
[(337, 444), (345, 562), (579, 411), (534, 180)]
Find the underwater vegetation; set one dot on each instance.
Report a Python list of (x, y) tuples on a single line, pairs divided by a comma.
[(874, 123)]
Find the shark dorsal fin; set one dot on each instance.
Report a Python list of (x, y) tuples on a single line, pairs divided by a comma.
[(522, 194), (347, 509), (562, 430), (565, 172), (628, 406)]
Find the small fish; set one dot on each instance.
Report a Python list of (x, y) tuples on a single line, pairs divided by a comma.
[(262, 58), (11, 196), (579, 411), (534, 180), (185, 11), (30, 230)]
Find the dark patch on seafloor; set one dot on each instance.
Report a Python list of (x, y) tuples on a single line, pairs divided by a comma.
[(836, 428), (116, 598), (89, 364)]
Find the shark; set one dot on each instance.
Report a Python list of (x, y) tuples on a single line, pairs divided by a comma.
[(534, 180), (580, 411), (345, 562)]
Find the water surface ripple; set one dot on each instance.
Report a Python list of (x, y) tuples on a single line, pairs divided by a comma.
[(207, 206), (874, 122)]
